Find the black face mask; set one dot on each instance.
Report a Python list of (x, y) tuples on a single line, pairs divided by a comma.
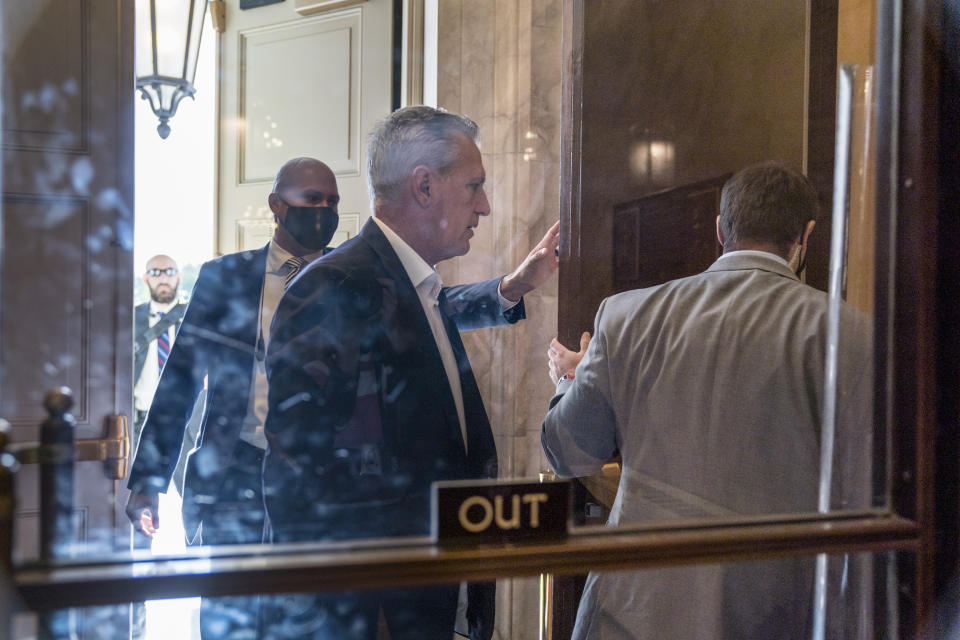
[(311, 227)]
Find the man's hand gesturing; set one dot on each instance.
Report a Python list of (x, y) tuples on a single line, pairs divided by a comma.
[(562, 361)]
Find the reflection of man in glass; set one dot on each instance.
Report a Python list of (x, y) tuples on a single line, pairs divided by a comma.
[(220, 348), (711, 388), (372, 397)]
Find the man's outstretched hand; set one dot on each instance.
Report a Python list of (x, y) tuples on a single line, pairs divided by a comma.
[(535, 269)]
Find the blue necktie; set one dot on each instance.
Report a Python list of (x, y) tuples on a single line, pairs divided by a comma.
[(163, 347)]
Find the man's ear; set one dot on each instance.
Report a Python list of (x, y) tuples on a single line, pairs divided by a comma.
[(422, 185), (807, 232), (719, 233), (274, 201), (144, 276)]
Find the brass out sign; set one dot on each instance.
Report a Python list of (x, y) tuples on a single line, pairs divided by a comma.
[(477, 511)]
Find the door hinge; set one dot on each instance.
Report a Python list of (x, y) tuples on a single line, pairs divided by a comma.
[(218, 15)]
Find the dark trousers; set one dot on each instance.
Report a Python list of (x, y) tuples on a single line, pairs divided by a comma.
[(235, 516)]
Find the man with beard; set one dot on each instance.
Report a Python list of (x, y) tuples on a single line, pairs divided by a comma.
[(155, 326), (220, 348)]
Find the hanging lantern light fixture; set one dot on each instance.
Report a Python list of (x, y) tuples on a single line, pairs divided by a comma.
[(167, 46)]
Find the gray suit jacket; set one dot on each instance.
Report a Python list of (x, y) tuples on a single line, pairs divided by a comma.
[(711, 389)]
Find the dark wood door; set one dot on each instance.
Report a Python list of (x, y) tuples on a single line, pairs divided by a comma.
[(66, 258), (661, 98)]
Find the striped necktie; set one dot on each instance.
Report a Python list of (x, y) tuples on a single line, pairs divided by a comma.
[(293, 266), (163, 346)]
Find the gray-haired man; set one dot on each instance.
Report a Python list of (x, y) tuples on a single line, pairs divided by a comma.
[(372, 397)]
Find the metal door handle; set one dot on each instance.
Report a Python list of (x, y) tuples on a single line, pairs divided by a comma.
[(113, 449), (838, 244)]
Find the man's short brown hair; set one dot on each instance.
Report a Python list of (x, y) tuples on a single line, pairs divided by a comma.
[(766, 203)]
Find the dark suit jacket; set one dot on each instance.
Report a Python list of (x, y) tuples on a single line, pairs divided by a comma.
[(361, 418), (217, 340), (141, 323)]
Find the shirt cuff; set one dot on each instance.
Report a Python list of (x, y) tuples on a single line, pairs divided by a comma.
[(563, 384), (505, 305)]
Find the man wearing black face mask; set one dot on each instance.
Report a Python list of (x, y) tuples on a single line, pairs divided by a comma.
[(304, 204), (220, 349), (223, 334)]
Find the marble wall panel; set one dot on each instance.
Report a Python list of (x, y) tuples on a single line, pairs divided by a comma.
[(449, 15), (521, 622), (506, 99), (478, 46), (523, 188), (507, 78)]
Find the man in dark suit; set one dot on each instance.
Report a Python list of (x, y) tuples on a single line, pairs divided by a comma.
[(372, 397), (220, 348)]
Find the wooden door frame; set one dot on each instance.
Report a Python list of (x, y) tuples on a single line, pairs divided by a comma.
[(921, 213)]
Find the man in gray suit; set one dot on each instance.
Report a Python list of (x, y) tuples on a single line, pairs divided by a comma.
[(711, 389)]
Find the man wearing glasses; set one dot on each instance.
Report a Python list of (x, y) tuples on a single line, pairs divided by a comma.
[(215, 370), (155, 325)]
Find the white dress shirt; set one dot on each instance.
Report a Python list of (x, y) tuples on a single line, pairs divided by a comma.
[(754, 252), (427, 282), (272, 291)]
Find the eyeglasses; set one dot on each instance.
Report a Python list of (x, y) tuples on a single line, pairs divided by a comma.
[(169, 271)]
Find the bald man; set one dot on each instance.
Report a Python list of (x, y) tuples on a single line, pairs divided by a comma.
[(155, 325), (220, 348)]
